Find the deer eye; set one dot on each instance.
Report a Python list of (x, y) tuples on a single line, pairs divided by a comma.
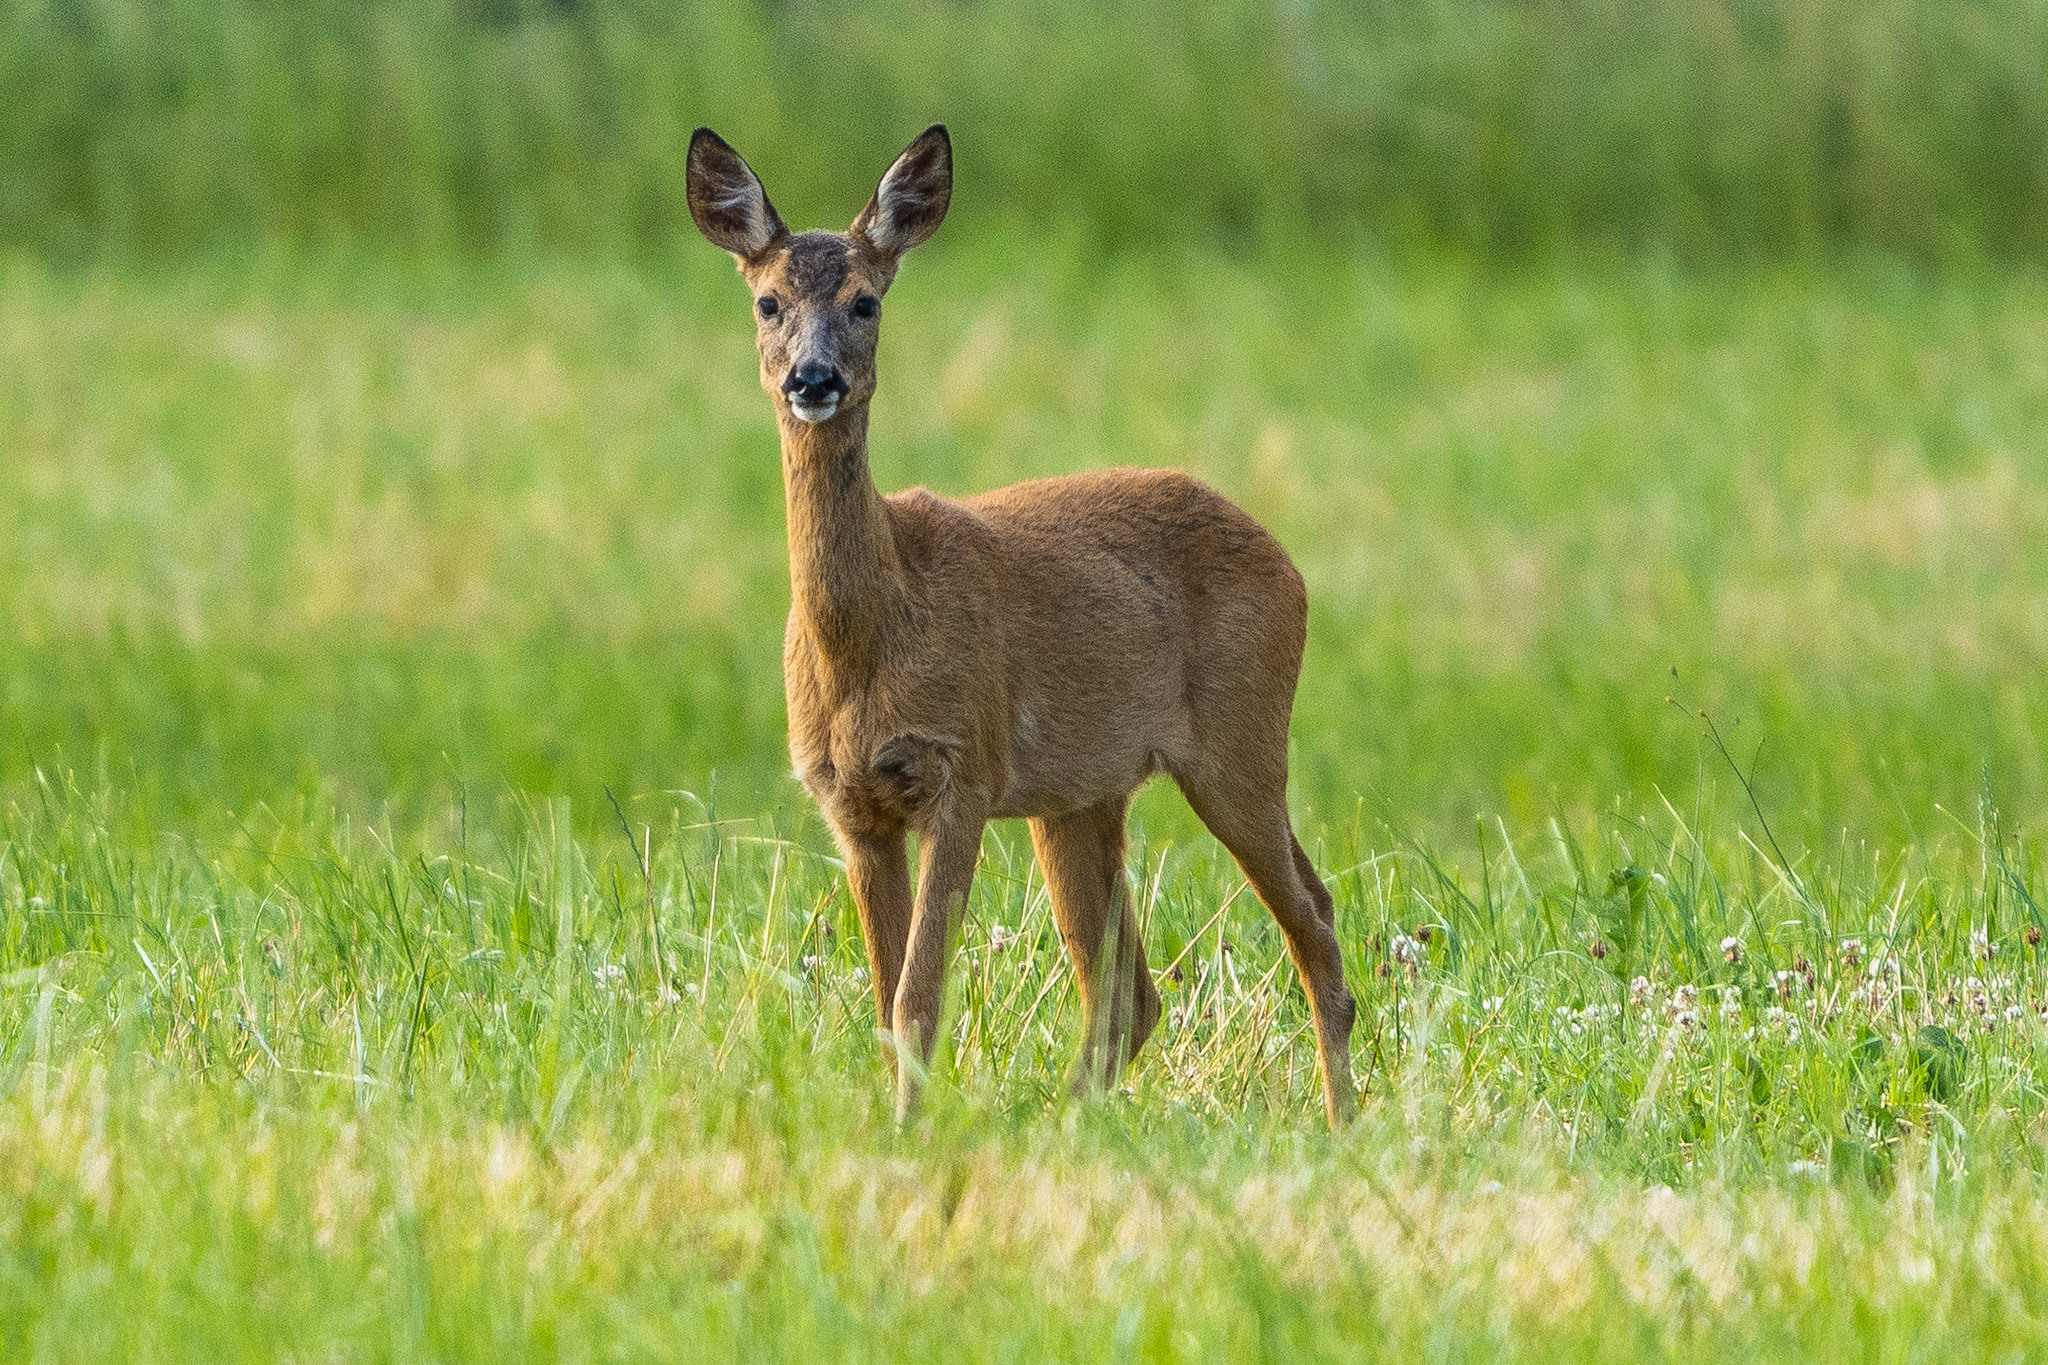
[(866, 306), (767, 306)]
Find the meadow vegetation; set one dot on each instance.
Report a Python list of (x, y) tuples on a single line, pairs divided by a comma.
[(413, 946)]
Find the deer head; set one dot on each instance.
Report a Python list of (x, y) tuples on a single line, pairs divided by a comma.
[(818, 295)]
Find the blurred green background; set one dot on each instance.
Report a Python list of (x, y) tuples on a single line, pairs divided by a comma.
[(1743, 128), (375, 426)]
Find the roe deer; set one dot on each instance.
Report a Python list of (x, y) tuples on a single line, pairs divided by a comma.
[(1037, 651)]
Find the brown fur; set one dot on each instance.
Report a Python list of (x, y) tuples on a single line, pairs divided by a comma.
[(1038, 651)]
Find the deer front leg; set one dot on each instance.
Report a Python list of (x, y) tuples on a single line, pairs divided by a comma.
[(946, 857), (879, 877)]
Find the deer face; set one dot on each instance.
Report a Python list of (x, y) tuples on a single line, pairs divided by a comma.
[(818, 295)]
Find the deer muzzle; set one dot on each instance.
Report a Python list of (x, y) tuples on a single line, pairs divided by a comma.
[(814, 391)]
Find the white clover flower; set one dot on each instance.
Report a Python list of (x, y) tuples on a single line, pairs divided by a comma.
[(1731, 1002), (1641, 993), (1852, 952), (1731, 948), (1685, 1021), (1410, 953), (1981, 946), (1492, 1004), (1000, 938)]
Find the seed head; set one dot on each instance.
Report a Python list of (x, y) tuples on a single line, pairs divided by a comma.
[(2033, 936), (1410, 953), (1598, 948)]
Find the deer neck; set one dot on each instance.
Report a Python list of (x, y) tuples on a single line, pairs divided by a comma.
[(842, 552)]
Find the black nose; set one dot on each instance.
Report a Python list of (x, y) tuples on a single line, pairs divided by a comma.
[(814, 384)]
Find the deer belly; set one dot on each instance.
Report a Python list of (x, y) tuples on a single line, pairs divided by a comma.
[(1092, 759)]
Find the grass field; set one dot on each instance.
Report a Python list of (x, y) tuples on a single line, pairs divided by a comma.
[(414, 947)]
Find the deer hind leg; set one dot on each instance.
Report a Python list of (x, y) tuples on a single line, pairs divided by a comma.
[(1250, 819), (1082, 854), (1326, 904)]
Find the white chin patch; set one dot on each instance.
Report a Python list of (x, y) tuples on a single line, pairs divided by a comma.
[(813, 412)]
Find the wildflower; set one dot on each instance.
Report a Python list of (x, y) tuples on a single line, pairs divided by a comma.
[(1780, 1019), (1641, 993), (812, 961), (1731, 948), (1787, 984), (1852, 953), (1000, 937), (1684, 998), (2015, 1013), (2033, 936), (1731, 1002), (1805, 1170), (1980, 1004), (1598, 949), (1685, 1021), (1423, 933), (1410, 953), (1492, 1004), (668, 996), (1981, 946), (690, 987), (1805, 971), (608, 977)]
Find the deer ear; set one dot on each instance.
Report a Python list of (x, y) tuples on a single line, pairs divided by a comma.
[(911, 201), (726, 198)]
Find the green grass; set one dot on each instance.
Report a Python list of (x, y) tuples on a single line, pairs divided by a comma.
[(1752, 128), (339, 1017)]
